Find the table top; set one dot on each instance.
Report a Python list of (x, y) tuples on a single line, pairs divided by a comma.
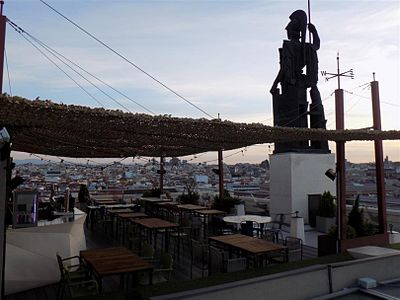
[(249, 244), (115, 260), (245, 218), (120, 210), (168, 203), (132, 215), (154, 223), (111, 206), (106, 202), (154, 199), (191, 207), (210, 212)]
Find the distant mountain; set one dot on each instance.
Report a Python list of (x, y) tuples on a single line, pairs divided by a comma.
[(29, 161)]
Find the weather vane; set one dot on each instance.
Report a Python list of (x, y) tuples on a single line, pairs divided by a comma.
[(348, 73)]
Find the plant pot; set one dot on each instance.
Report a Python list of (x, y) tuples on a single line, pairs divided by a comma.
[(323, 224), (327, 245)]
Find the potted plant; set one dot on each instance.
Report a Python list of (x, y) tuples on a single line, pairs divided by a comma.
[(326, 215)]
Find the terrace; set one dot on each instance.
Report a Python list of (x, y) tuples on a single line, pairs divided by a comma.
[(183, 233)]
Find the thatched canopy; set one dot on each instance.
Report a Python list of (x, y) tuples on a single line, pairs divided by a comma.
[(44, 127)]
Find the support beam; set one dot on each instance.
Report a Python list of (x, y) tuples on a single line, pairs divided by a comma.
[(380, 175), (162, 171), (221, 175), (4, 173), (4, 160), (340, 169)]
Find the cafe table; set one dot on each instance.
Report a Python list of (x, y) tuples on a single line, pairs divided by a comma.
[(126, 217), (206, 215), (113, 261), (152, 225), (149, 203), (250, 246)]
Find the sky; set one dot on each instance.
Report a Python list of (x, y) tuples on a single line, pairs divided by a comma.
[(221, 55)]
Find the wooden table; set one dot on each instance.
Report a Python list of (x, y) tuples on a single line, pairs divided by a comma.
[(127, 216), (190, 207), (206, 214), (150, 202), (250, 245), (166, 206), (106, 202), (115, 261), (152, 224), (119, 210)]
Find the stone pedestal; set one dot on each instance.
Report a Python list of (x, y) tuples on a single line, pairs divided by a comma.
[(296, 175)]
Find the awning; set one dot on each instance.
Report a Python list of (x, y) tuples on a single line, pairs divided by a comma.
[(44, 127)]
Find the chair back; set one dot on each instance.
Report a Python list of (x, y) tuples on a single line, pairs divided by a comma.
[(295, 247), (199, 256), (147, 251), (269, 235), (166, 261), (236, 264), (216, 260), (61, 266)]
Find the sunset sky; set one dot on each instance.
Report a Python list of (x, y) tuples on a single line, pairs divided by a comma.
[(221, 55)]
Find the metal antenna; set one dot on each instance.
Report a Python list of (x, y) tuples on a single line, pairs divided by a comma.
[(348, 73)]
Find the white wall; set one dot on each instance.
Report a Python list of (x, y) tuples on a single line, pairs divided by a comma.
[(296, 175), (31, 253)]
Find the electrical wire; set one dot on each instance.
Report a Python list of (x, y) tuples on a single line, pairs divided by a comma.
[(50, 49), (72, 69), (57, 66), (368, 98), (126, 59), (8, 71)]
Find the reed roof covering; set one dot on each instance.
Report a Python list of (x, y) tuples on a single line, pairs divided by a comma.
[(45, 127)]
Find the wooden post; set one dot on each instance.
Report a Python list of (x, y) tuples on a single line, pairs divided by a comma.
[(162, 174), (4, 174), (4, 161), (221, 175), (340, 169), (379, 167), (3, 20)]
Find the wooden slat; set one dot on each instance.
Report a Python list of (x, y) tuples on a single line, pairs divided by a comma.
[(154, 223), (249, 244)]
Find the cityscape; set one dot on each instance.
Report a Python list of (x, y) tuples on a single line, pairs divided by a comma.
[(248, 182), (166, 150)]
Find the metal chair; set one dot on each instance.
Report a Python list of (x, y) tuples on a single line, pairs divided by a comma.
[(215, 260), (199, 257), (294, 247), (235, 264), (181, 237), (164, 268), (74, 278)]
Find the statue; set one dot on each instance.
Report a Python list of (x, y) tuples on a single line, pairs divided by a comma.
[(291, 106)]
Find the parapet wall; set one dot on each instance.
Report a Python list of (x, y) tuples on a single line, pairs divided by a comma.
[(300, 284)]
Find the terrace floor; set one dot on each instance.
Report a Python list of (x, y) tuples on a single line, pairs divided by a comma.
[(182, 271)]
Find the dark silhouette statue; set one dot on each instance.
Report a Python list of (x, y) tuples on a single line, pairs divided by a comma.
[(298, 72)]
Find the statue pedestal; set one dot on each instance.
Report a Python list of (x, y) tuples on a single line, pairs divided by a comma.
[(296, 175)]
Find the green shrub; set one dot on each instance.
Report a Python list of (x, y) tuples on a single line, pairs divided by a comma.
[(356, 217), (225, 204), (327, 206), (154, 192), (351, 232), (356, 220), (189, 198)]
